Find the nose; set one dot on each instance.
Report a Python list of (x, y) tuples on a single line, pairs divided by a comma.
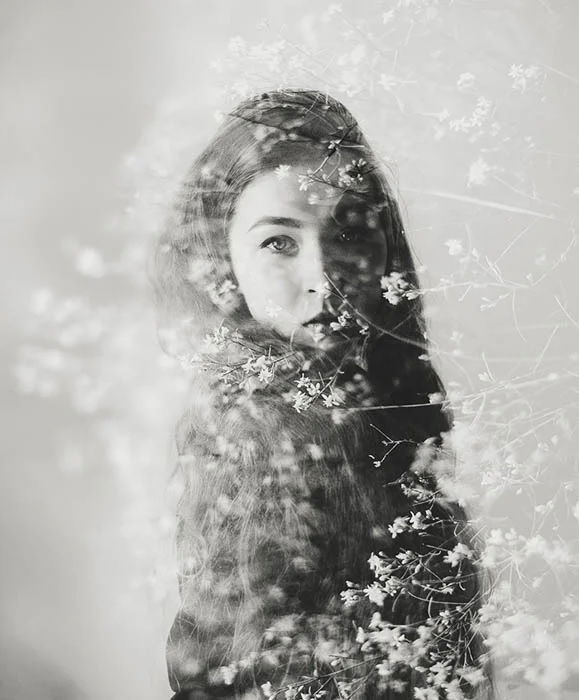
[(313, 270)]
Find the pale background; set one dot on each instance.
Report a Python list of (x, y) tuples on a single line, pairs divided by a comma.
[(103, 105)]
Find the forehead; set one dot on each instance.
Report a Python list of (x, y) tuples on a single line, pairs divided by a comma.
[(300, 189)]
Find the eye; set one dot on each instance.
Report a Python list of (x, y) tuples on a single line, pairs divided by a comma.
[(352, 235), (281, 245)]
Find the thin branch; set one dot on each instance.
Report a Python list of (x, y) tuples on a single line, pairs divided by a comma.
[(482, 202)]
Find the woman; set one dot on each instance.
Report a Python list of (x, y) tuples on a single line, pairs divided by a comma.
[(317, 557)]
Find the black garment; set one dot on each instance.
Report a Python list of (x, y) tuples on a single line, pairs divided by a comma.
[(279, 511)]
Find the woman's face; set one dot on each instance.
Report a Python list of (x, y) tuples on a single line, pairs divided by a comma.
[(297, 253)]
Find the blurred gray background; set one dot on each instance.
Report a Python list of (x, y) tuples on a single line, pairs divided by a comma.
[(104, 103)]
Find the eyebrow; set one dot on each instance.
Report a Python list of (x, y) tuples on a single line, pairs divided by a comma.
[(277, 221)]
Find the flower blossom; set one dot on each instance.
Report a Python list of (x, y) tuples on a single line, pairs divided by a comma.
[(460, 552)]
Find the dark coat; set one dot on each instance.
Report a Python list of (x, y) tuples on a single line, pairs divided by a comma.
[(279, 510)]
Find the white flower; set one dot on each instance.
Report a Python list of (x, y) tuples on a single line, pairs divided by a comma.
[(465, 81), (305, 180), (271, 309), (396, 287), (472, 675), (416, 521), (477, 173), (391, 297), (350, 597), (405, 556), (399, 525), (302, 382), (522, 76), (217, 339), (313, 388), (383, 669), (316, 452), (334, 398), (454, 246), (460, 552), (228, 674), (265, 375), (375, 594), (282, 171), (267, 689), (445, 617), (301, 401), (453, 690)]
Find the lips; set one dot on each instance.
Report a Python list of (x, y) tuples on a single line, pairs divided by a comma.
[(322, 318)]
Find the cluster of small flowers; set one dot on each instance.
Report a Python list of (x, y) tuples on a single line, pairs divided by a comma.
[(523, 76), (282, 171), (455, 246), (262, 366), (224, 296), (398, 573), (416, 491), (456, 555), (217, 339), (342, 321), (203, 273), (528, 645), (352, 174), (480, 114), (510, 547), (305, 181), (310, 390), (397, 288), (298, 692), (414, 521), (405, 647), (478, 172), (465, 81)]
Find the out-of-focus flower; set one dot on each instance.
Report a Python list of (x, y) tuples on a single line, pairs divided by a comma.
[(454, 246), (465, 81), (282, 171), (237, 46), (478, 171), (460, 552), (523, 76), (89, 262), (396, 288)]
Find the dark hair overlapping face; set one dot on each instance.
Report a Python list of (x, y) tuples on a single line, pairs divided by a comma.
[(195, 284), (194, 277)]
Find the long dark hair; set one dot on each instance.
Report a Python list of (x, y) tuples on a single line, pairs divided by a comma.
[(256, 136), (402, 408)]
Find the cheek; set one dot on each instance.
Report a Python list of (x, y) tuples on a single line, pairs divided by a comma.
[(358, 279), (268, 278), (360, 269)]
